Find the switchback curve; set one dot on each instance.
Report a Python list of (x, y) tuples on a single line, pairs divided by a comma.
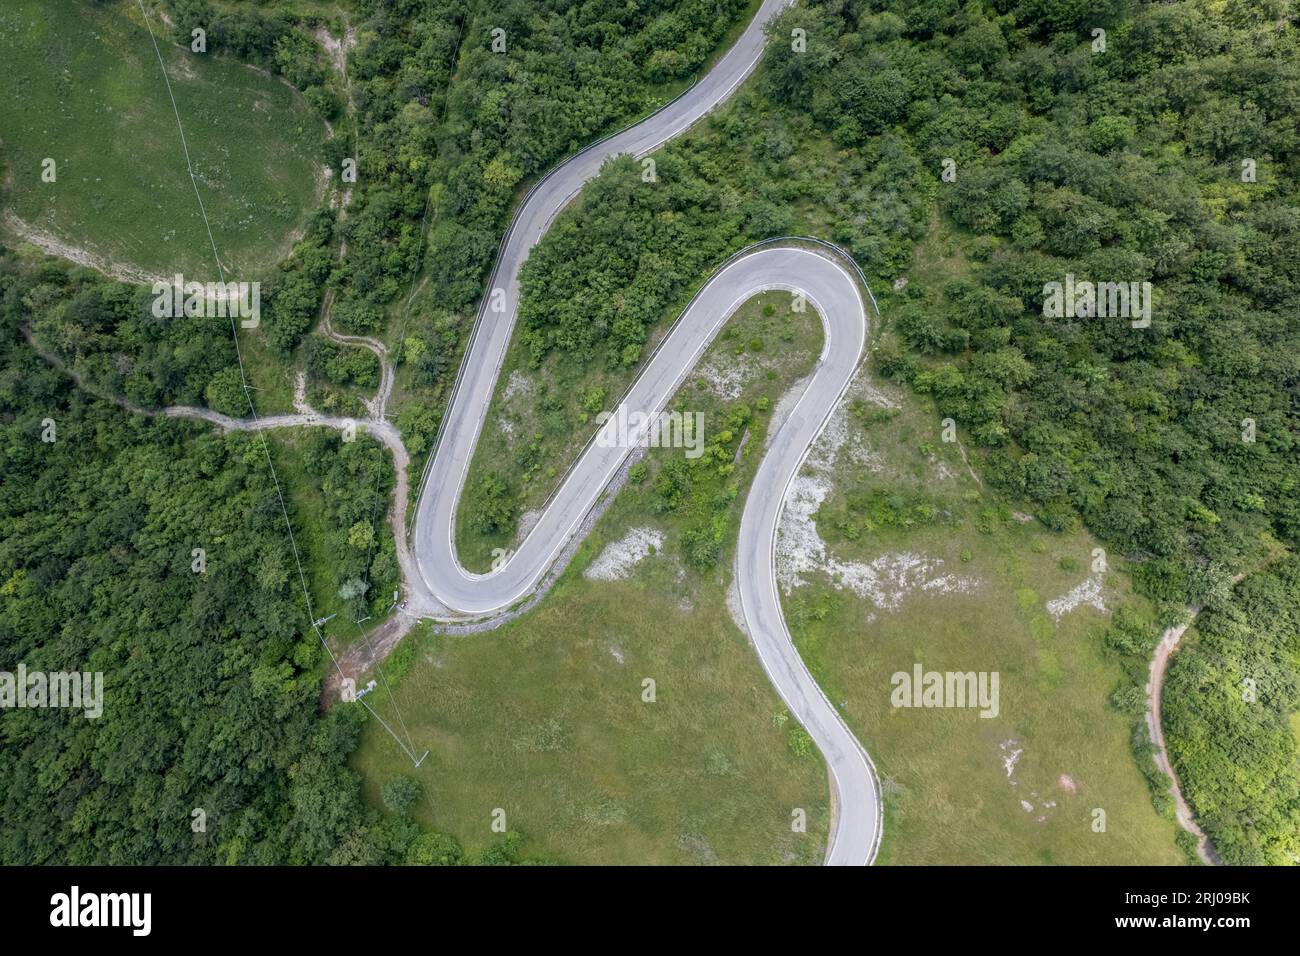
[(826, 283)]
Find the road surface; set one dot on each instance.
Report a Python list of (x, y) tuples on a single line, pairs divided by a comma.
[(829, 287)]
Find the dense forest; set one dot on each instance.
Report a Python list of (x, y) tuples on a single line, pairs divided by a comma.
[(1233, 732), (447, 132), (1170, 158), (1122, 165), (211, 748), (449, 158), (211, 677), (570, 73)]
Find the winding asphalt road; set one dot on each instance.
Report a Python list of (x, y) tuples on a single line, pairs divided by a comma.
[(829, 287)]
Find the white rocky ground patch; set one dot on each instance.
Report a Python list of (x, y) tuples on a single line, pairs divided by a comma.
[(337, 49), (1088, 593), (1011, 751), (726, 376), (517, 384), (82, 255), (621, 556), (785, 405), (873, 395), (1010, 757), (941, 469), (885, 581), (300, 404)]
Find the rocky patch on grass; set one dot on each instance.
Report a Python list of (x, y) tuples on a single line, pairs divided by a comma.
[(620, 557), (1089, 593)]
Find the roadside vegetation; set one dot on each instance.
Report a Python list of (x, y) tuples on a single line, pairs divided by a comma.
[(109, 338), (613, 272), (1138, 432), (211, 748), (447, 133), (211, 676), (292, 799), (1128, 163)]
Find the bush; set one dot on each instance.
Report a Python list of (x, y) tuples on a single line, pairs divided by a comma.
[(799, 740), (492, 506), (401, 793)]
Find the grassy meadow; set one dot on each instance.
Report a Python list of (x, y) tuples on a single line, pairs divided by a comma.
[(958, 580), (544, 717), (82, 86)]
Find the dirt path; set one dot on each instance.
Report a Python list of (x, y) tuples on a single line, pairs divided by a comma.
[(962, 448), (381, 641), (337, 49), (1155, 687), (420, 602)]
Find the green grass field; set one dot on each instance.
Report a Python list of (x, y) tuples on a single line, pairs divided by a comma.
[(951, 797), (544, 717), (83, 87)]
